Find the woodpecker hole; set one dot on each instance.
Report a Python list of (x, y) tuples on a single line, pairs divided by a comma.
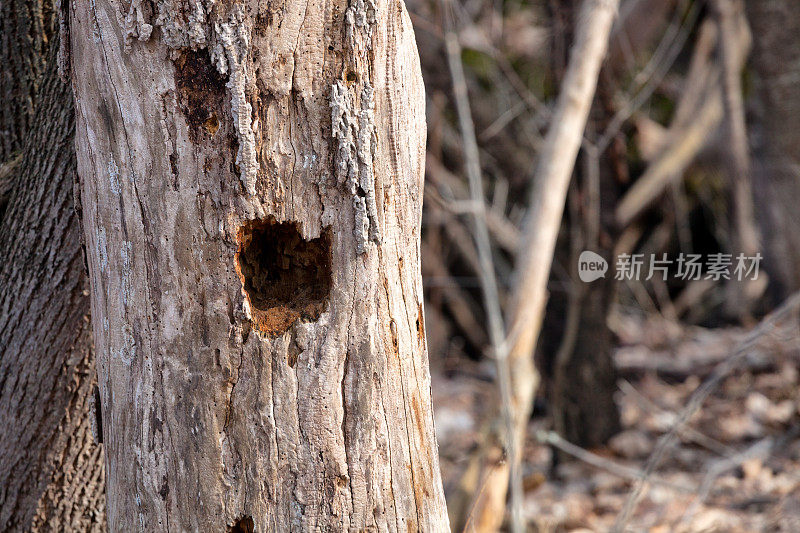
[(244, 525), (285, 277)]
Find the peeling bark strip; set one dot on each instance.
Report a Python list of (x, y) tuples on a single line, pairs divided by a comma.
[(355, 135), (252, 184)]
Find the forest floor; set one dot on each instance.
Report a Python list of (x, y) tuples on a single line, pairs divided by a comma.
[(734, 466)]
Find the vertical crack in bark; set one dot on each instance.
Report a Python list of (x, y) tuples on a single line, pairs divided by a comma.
[(96, 413), (345, 375), (406, 416), (144, 220), (233, 387), (386, 353)]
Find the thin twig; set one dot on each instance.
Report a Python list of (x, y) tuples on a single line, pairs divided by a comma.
[(761, 449), (627, 472), (657, 68), (503, 231), (691, 433), (487, 275)]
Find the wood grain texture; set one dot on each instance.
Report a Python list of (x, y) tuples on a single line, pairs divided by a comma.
[(304, 114)]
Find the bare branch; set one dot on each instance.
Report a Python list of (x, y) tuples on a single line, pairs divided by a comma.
[(623, 471), (553, 171), (487, 275)]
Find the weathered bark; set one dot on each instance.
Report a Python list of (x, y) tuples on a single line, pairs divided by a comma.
[(776, 146), (51, 471), (252, 176)]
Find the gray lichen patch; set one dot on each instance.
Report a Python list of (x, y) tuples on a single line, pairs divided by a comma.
[(366, 153), (232, 55), (184, 23), (361, 15), (354, 134), (137, 22)]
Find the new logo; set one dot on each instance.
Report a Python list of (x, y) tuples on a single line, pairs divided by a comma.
[(591, 266)]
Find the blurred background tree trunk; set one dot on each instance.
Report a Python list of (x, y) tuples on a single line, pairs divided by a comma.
[(776, 138), (26, 28), (576, 349)]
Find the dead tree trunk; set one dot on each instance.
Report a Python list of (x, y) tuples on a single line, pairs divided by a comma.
[(252, 184), (51, 471)]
